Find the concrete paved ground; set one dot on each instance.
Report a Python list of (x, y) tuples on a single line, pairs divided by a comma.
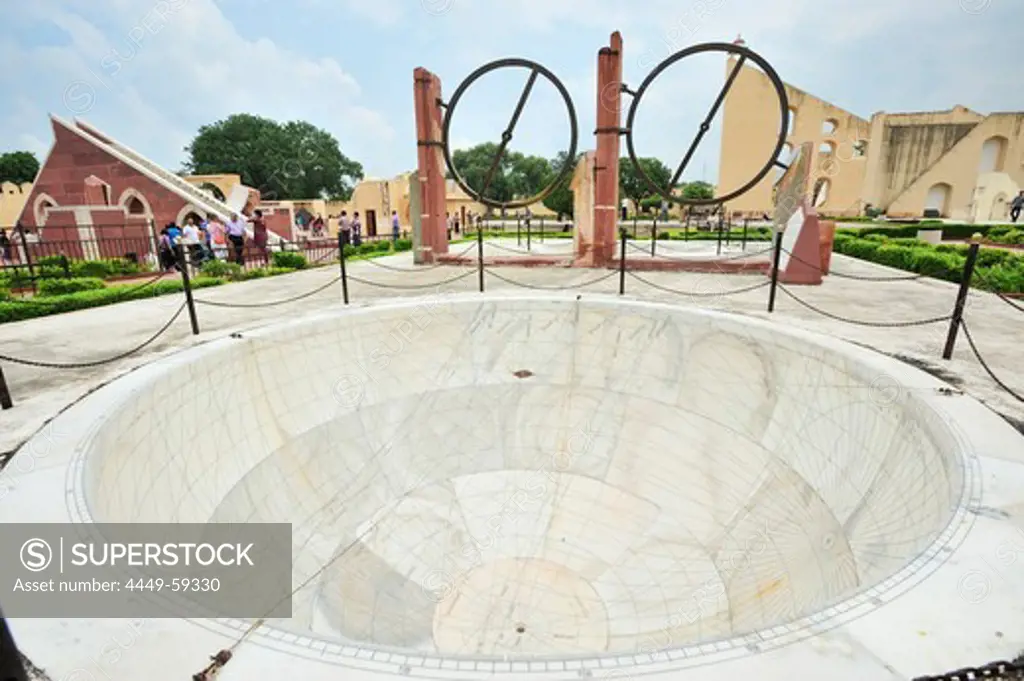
[(89, 335)]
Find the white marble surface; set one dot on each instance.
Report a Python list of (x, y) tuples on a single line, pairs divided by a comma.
[(668, 487)]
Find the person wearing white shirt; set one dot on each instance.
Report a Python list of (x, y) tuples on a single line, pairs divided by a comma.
[(236, 235), (190, 233), (345, 228)]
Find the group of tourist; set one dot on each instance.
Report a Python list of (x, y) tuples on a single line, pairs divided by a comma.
[(351, 229), (315, 227), (212, 239)]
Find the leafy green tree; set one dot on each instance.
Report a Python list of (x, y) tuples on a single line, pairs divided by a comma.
[(18, 167), (633, 187), (653, 204), (529, 175), (473, 165), (561, 200), (293, 160), (517, 175), (698, 190)]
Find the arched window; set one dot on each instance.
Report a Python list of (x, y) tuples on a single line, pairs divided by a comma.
[(41, 207), (821, 189), (938, 199), (134, 202), (829, 126), (993, 155), (135, 206)]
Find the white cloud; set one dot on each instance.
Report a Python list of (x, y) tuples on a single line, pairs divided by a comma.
[(155, 76), (159, 70)]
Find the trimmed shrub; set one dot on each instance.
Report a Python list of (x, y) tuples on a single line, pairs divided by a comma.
[(111, 267), (60, 287), (861, 248), (1013, 237), (220, 268), (275, 271), (295, 261), (900, 257), (52, 261), (1001, 279), (44, 306), (993, 257), (258, 273), (932, 263), (403, 245), (383, 246), (92, 268)]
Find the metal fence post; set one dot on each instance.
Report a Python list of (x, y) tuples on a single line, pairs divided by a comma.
[(542, 229), (654, 238), (341, 259), (519, 233), (775, 271), (480, 257), (5, 393), (183, 264), (961, 300), (528, 231), (719, 236), (746, 221), (11, 667), (622, 263)]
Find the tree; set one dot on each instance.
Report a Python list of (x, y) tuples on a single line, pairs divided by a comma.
[(18, 167), (698, 190), (561, 200), (633, 187), (517, 175), (293, 160), (529, 175), (473, 165)]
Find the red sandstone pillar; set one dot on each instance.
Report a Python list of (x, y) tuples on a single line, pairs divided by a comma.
[(609, 121), (429, 119)]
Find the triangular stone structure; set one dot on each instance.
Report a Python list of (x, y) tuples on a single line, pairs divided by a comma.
[(90, 184)]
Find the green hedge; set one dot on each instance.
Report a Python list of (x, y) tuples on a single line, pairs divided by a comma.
[(110, 267), (403, 245), (950, 231), (52, 267), (995, 269), (13, 311), (753, 234), (221, 268), (294, 261), (59, 287)]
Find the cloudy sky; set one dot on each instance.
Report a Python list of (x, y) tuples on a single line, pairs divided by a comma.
[(151, 72)]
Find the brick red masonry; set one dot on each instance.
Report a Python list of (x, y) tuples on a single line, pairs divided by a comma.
[(279, 221), (73, 159)]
